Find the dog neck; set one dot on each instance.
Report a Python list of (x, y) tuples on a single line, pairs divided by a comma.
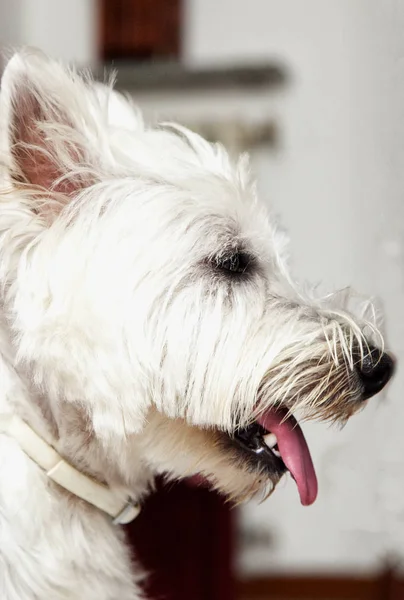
[(37, 514), (58, 437), (65, 475)]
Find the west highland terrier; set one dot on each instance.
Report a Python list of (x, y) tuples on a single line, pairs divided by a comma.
[(148, 326)]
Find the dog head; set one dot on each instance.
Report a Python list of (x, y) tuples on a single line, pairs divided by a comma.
[(146, 289)]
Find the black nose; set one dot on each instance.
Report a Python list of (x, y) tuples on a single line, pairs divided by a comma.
[(375, 370)]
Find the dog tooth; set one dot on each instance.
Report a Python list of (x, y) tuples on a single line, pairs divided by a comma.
[(276, 452), (270, 440)]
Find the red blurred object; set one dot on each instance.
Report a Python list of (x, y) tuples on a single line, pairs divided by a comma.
[(184, 539), (140, 29)]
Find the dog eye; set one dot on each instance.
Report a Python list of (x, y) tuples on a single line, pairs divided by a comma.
[(234, 263)]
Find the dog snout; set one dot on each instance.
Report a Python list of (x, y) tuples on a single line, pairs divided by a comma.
[(375, 369)]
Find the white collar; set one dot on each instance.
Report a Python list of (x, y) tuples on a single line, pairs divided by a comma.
[(65, 475)]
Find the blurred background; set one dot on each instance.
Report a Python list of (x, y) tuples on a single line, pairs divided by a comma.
[(314, 90)]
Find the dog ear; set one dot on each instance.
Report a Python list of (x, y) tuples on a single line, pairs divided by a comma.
[(46, 124)]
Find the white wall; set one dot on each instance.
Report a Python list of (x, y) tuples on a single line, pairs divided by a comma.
[(338, 186), (65, 29)]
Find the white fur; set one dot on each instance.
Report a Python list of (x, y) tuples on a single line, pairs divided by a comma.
[(119, 334)]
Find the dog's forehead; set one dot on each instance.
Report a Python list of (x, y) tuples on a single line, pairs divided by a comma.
[(185, 161), (201, 177), (218, 197)]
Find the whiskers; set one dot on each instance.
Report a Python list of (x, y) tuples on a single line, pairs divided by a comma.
[(318, 375), (349, 340)]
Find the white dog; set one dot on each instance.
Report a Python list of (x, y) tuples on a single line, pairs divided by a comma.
[(148, 325)]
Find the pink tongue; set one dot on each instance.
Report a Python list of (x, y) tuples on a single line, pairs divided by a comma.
[(294, 452)]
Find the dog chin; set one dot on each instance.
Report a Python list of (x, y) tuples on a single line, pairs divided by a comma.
[(266, 450), (247, 462)]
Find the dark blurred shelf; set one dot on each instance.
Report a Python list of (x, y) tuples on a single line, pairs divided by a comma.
[(157, 77)]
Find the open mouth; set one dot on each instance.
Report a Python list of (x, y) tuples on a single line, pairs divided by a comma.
[(277, 444)]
